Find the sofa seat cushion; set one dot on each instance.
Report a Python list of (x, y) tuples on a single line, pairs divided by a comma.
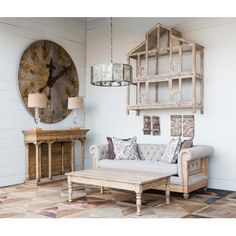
[(140, 165)]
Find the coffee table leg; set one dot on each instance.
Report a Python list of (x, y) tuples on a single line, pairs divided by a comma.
[(168, 191), (138, 203), (70, 189)]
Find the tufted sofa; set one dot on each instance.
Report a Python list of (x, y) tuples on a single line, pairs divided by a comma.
[(188, 174)]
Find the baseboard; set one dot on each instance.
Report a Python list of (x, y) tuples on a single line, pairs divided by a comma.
[(11, 180), (222, 184)]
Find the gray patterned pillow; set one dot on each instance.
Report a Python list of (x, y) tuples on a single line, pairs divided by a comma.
[(125, 150), (177, 150), (169, 155)]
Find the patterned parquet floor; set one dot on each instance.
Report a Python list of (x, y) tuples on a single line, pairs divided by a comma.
[(50, 201)]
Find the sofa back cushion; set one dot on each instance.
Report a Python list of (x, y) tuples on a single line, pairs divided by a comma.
[(151, 152)]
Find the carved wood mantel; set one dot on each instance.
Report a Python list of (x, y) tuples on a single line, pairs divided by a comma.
[(51, 151)]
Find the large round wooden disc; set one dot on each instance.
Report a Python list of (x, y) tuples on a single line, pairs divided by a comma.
[(47, 68)]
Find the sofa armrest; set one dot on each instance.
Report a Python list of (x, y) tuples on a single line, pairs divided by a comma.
[(197, 152), (99, 152), (197, 156)]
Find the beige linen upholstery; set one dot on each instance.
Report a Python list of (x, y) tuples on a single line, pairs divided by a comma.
[(140, 165), (194, 153), (197, 152), (189, 173), (151, 152)]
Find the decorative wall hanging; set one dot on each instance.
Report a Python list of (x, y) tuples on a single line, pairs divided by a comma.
[(111, 74), (146, 125), (45, 67), (188, 125), (156, 130), (165, 62), (176, 125)]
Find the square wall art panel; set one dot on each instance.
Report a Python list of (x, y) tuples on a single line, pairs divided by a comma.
[(156, 125), (176, 125), (146, 125), (188, 125)]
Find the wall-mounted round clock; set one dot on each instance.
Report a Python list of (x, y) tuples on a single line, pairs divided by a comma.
[(46, 67)]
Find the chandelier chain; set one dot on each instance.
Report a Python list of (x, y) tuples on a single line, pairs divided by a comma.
[(111, 39)]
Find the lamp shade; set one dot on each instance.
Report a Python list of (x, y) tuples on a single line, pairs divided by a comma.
[(37, 100), (111, 74), (75, 103)]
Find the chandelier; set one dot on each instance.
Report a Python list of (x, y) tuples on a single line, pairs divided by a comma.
[(111, 74)]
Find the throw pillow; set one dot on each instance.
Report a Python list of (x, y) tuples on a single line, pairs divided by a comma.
[(111, 148), (125, 150), (187, 144), (178, 149), (170, 150)]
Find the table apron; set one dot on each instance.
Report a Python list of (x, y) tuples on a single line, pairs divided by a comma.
[(117, 184), (154, 184)]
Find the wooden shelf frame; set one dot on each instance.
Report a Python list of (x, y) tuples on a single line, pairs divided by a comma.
[(165, 41)]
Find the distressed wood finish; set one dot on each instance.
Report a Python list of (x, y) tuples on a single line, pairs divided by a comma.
[(39, 74), (27, 161), (186, 187), (62, 158), (136, 181), (50, 153), (82, 154), (177, 49)]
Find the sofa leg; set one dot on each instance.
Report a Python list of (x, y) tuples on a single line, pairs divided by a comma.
[(186, 196)]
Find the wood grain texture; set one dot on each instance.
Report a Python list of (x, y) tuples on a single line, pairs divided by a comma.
[(161, 41), (57, 152), (125, 176), (47, 68), (136, 181)]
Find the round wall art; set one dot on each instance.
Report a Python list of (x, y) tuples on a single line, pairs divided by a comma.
[(45, 67)]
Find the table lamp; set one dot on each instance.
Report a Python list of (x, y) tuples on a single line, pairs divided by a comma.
[(75, 104), (36, 101)]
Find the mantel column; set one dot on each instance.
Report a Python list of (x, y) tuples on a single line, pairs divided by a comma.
[(50, 160), (62, 158), (37, 161), (72, 155), (82, 153), (40, 161), (27, 161)]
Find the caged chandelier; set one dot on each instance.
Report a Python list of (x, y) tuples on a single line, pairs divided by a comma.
[(111, 74)]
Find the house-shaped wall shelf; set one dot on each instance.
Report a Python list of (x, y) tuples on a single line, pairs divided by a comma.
[(167, 72)]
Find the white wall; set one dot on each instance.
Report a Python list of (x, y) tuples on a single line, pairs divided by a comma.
[(16, 34), (106, 107)]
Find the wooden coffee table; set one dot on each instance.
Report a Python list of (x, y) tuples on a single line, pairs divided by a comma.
[(136, 181)]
